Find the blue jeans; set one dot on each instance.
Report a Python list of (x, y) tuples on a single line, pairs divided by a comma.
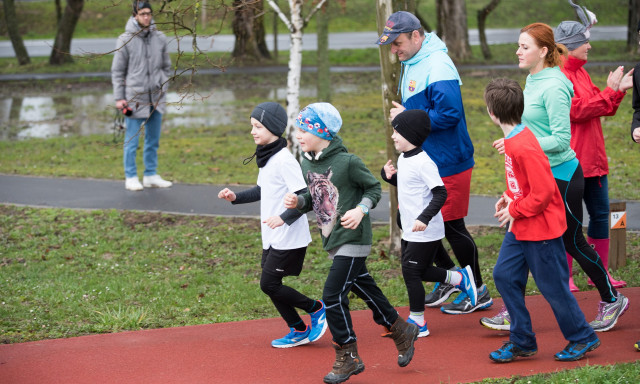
[(548, 264), (152, 128), (596, 198)]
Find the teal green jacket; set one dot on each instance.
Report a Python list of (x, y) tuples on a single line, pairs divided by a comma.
[(547, 104), (338, 181)]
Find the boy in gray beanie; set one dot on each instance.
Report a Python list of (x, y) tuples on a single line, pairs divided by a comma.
[(285, 233)]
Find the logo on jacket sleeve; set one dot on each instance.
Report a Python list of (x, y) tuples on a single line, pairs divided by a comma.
[(412, 85)]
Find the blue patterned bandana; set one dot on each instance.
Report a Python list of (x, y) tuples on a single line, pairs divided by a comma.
[(321, 119)]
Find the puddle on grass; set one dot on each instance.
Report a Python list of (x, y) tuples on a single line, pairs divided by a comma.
[(35, 114)]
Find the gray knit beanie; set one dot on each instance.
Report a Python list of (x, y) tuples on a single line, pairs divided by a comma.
[(272, 115)]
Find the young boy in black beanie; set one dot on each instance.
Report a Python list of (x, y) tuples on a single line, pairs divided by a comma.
[(421, 195), (285, 232)]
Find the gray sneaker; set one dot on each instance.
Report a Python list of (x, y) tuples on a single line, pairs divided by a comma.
[(499, 322), (440, 294), (462, 303), (608, 313)]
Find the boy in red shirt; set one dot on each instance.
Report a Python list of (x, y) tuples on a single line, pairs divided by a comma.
[(534, 210)]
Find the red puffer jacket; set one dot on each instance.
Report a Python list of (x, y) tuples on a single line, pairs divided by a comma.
[(587, 106)]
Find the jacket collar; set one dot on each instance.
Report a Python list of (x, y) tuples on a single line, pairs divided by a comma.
[(573, 64)]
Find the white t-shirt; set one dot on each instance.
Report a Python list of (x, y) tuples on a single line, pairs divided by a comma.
[(417, 175), (282, 174)]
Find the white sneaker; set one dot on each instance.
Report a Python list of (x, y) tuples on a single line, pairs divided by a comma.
[(132, 184), (155, 181)]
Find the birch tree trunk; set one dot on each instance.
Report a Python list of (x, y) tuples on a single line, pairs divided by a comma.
[(293, 76), (296, 26)]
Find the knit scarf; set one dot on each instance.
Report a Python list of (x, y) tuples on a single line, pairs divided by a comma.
[(264, 152)]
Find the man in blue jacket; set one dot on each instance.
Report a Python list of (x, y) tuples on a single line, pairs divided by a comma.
[(430, 81)]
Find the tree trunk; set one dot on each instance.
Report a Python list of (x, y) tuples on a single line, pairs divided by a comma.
[(453, 17), (324, 66), (58, 12), (61, 52), (293, 76), (248, 28), (482, 18), (390, 70), (14, 33), (632, 29)]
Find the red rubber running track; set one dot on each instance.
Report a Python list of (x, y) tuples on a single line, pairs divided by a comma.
[(456, 351)]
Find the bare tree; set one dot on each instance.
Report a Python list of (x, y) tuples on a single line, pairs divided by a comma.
[(632, 30), (295, 24), (14, 33), (482, 18), (452, 21), (390, 70), (248, 28), (322, 55), (60, 53)]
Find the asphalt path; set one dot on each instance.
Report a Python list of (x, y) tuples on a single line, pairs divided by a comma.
[(224, 43), (191, 199)]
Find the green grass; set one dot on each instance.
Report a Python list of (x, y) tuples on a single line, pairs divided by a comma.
[(213, 155), (107, 18), (66, 273)]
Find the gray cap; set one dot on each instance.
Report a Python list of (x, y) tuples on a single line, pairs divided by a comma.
[(572, 34), (272, 115)]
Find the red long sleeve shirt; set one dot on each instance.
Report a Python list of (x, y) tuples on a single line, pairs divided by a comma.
[(587, 106), (537, 205)]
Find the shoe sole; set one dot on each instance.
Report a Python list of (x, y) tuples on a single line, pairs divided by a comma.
[(301, 342), (496, 327), (411, 350), (424, 333), (358, 370), (580, 356), (477, 307), (442, 299), (324, 329), (613, 323), (155, 186), (524, 354)]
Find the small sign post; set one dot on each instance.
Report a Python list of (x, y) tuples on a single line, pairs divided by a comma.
[(618, 235)]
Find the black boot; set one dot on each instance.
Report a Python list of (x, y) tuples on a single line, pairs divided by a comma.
[(404, 335), (347, 363)]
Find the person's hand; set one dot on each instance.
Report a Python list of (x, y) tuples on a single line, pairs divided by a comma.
[(418, 226), (636, 135), (227, 194), (396, 110), (499, 145), (500, 204), (615, 77), (504, 216), (627, 81), (389, 169), (274, 222), (290, 200), (352, 218), (121, 103)]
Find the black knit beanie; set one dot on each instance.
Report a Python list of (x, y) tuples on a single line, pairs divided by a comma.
[(272, 116), (137, 5), (414, 125)]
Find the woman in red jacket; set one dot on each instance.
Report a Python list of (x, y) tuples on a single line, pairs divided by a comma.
[(587, 106)]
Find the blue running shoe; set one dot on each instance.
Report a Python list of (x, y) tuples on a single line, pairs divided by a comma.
[(576, 351), (468, 285), (318, 323), (423, 331), (509, 352), (292, 339)]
